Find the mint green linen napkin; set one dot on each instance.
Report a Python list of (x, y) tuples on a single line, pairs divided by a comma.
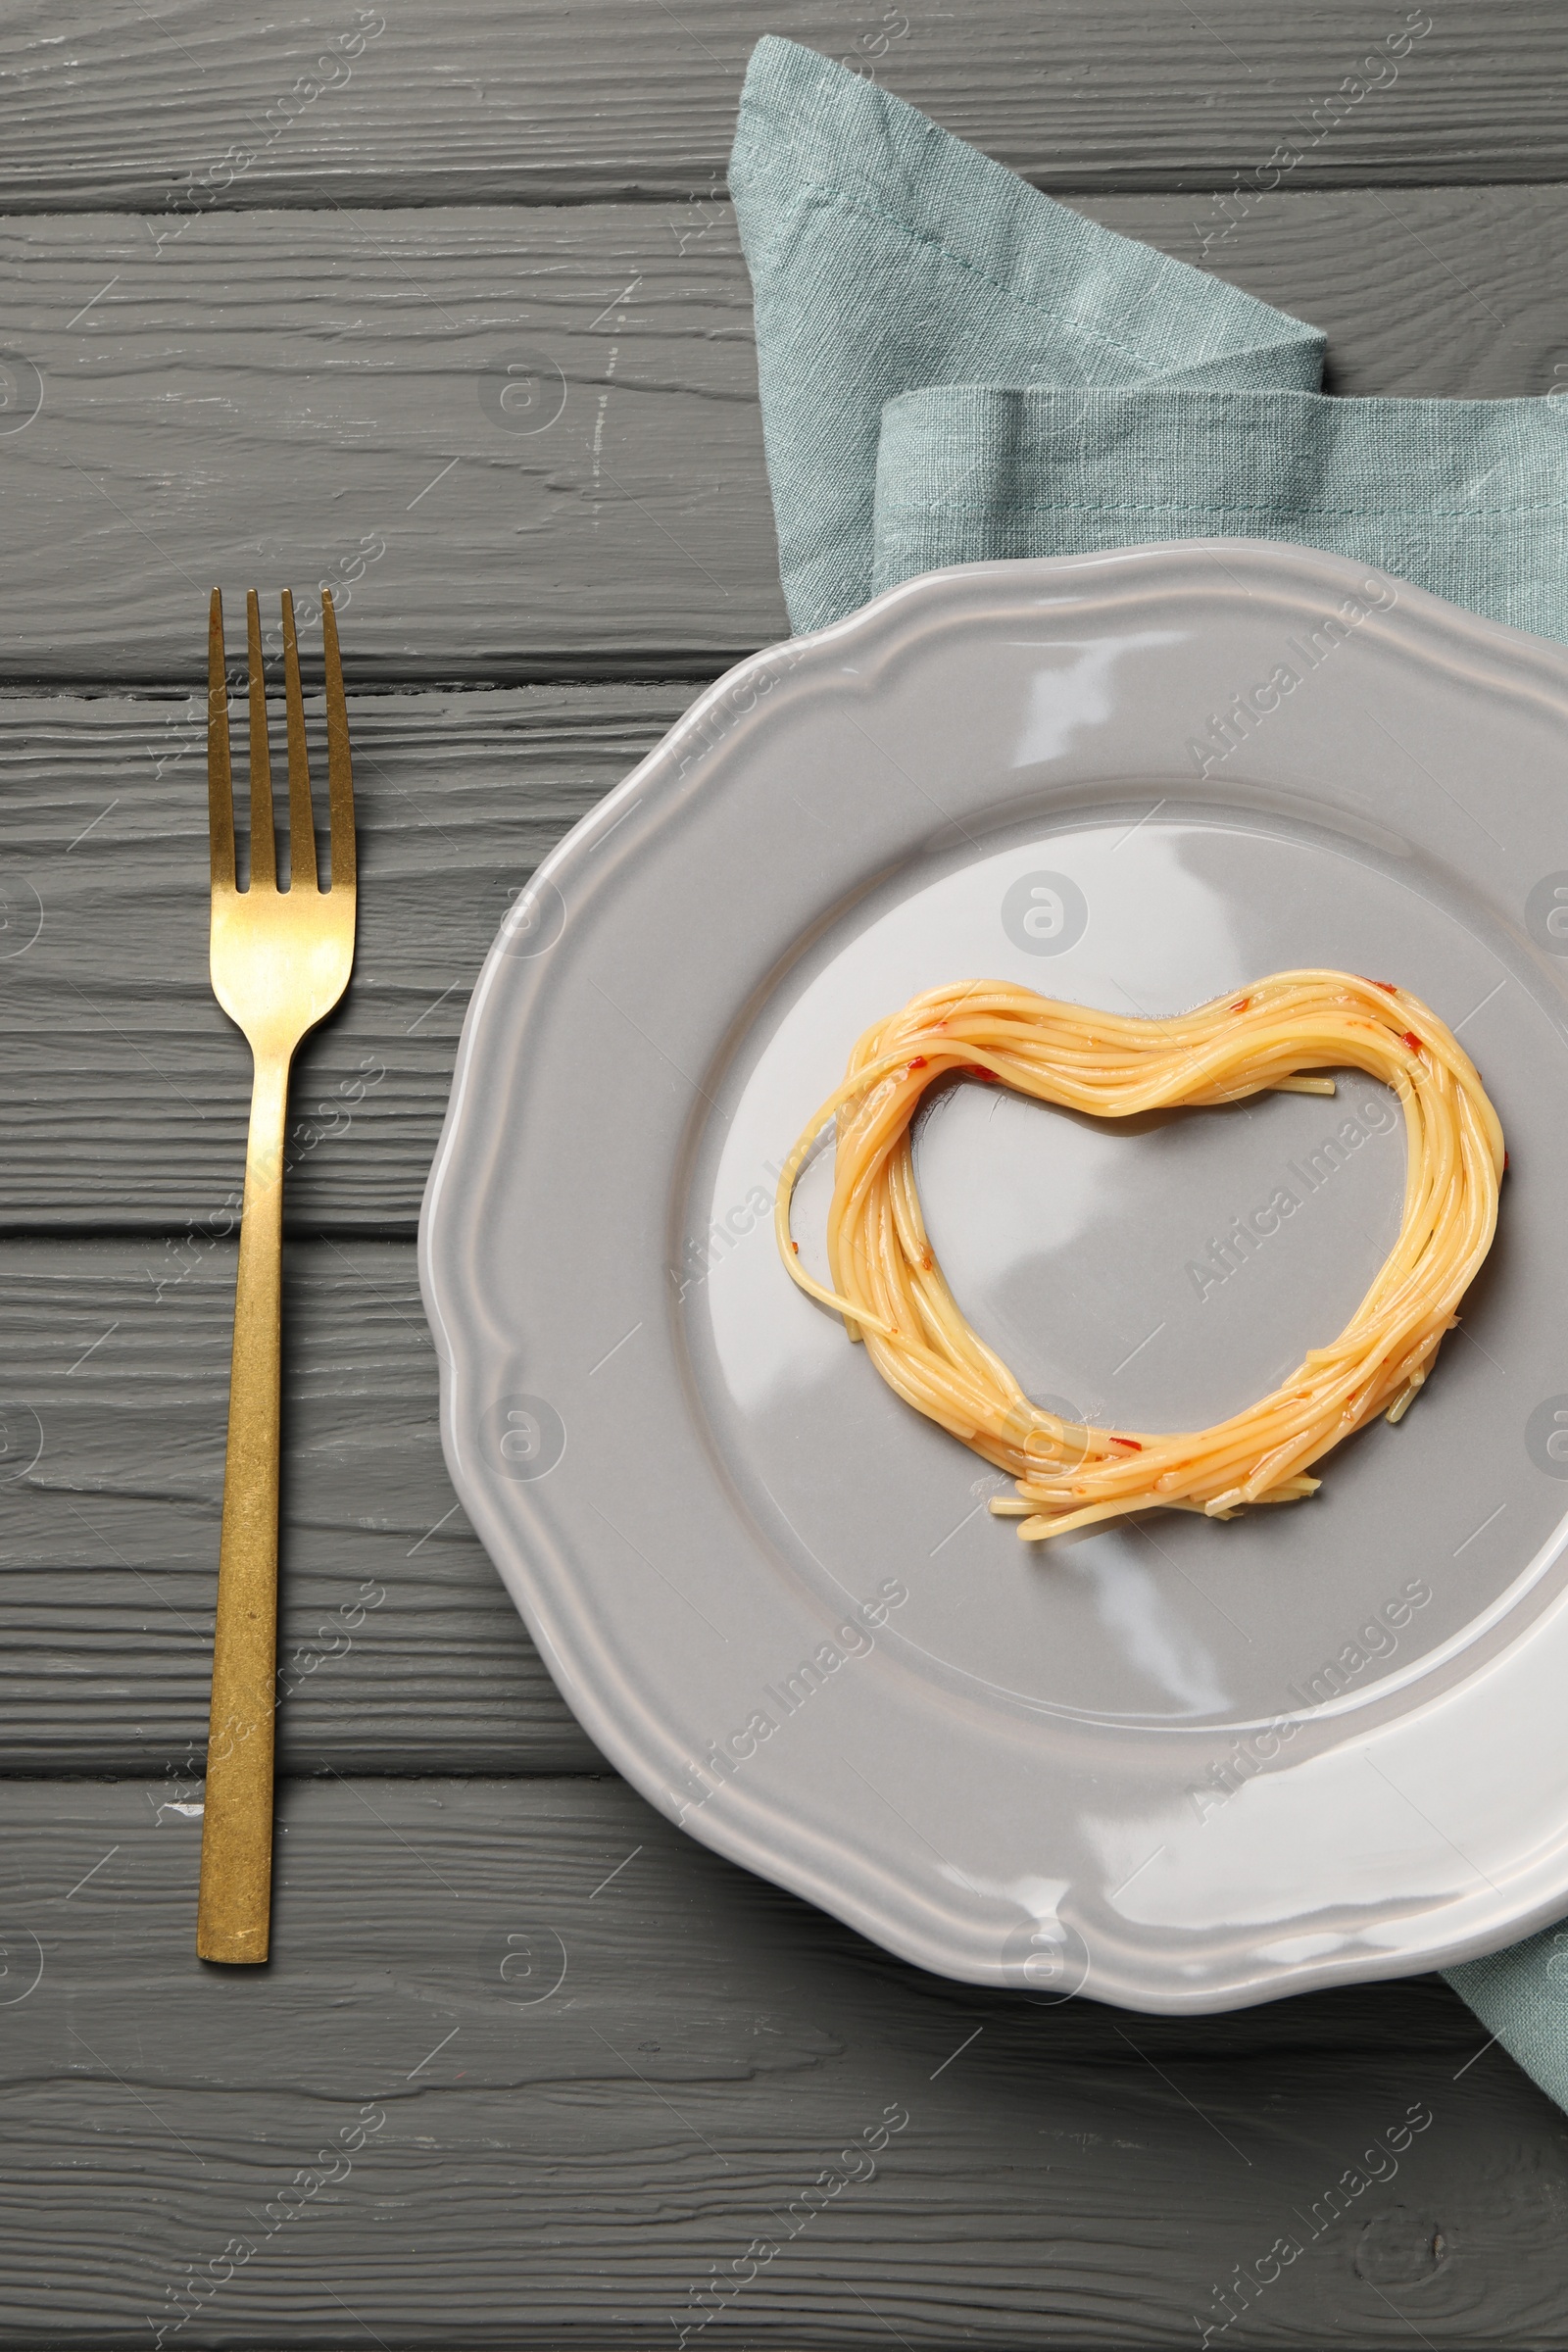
[(954, 367), (1467, 497)]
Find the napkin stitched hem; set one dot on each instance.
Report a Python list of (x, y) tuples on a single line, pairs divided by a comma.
[(831, 194)]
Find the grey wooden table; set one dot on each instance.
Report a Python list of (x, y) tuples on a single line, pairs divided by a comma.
[(267, 279)]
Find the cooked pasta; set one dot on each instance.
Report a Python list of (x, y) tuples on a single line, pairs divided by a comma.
[(891, 1292)]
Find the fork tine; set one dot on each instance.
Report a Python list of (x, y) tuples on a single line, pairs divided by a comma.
[(301, 815), (219, 788), (339, 770), (263, 845)]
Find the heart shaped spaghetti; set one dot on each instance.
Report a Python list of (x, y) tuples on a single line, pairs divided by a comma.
[(891, 1292)]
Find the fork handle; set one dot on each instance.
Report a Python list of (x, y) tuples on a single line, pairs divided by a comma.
[(234, 1906)]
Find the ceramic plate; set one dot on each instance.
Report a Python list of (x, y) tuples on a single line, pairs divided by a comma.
[(1174, 1764)]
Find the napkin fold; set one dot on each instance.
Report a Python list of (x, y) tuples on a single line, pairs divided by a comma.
[(956, 367)]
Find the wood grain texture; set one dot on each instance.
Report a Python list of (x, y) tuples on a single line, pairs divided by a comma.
[(399, 1649), (265, 398), (123, 1090), (459, 100), (269, 398), (569, 2151), (1424, 293)]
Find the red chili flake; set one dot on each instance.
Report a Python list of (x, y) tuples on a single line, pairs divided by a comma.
[(1242, 1004), (919, 1062), (1505, 1163), (1387, 984), (975, 1072), (1409, 1037), (1131, 1443), (796, 1247)]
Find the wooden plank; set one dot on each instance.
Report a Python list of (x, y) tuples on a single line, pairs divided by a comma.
[(1432, 294), (204, 102), (268, 398), (568, 2151), (123, 1090), (262, 398), (399, 1648)]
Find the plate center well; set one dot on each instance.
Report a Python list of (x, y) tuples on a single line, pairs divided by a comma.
[(1158, 1273)]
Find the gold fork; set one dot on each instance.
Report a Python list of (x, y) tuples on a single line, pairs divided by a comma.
[(280, 960)]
